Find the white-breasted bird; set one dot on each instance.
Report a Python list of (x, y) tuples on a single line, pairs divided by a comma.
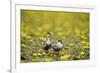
[(47, 43), (57, 46)]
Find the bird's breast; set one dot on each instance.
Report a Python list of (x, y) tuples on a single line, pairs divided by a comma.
[(48, 42)]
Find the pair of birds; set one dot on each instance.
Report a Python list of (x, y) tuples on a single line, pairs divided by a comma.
[(49, 44)]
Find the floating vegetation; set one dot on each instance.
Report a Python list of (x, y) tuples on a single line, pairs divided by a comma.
[(72, 28)]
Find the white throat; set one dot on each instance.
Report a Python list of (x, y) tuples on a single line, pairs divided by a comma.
[(59, 44), (48, 41)]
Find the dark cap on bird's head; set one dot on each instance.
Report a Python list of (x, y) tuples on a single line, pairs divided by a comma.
[(48, 33), (60, 41)]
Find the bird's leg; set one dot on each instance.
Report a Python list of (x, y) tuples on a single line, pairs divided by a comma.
[(58, 54)]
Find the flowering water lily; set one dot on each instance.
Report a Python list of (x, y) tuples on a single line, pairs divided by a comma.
[(30, 40), (85, 46), (23, 45), (65, 57), (29, 37), (34, 54), (83, 42), (82, 53), (48, 60)]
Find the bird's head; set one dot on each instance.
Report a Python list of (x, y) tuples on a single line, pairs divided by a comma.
[(48, 34), (60, 41)]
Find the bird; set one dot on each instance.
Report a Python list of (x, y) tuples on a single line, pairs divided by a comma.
[(57, 46), (47, 43)]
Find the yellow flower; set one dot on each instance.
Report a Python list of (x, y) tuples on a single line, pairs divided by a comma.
[(23, 45), (40, 49), (36, 60), (48, 59), (83, 42), (36, 33), (34, 54), (83, 37), (43, 53), (23, 34), (30, 41), (39, 54), (42, 39), (50, 54), (65, 57), (82, 53), (28, 37), (85, 46)]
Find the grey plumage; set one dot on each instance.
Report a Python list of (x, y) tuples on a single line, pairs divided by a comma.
[(57, 46), (47, 43)]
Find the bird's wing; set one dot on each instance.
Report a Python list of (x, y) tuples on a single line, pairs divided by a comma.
[(59, 45), (54, 46)]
